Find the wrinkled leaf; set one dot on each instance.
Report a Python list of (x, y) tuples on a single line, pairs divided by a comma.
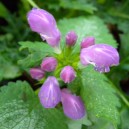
[(21, 109), (99, 97)]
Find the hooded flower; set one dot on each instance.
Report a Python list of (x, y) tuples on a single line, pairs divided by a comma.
[(102, 56), (72, 105), (42, 22), (50, 94)]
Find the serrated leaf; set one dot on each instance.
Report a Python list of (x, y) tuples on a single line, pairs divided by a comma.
[(86, 26), (38, 50), (99, 97), (20, 109)]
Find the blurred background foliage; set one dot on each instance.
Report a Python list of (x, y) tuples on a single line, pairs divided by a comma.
[(14, 28)]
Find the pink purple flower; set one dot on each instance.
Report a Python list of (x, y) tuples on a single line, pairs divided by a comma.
[(71, 38), (50, 94), (102, 56), (72, 105), (43, 22), (37, 73), (49, 64), (68, 74), (88, 41)]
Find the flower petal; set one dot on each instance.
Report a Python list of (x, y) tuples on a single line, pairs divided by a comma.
[(102, 56), (43, 22), (50, 94), (72, 105)]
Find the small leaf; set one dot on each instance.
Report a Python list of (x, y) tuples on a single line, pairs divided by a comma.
[(38, 50)]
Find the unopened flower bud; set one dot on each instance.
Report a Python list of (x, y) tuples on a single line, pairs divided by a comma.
[(43, 22), (86, 42), (37, 73), (71, 38), (72, 105), (49, 64), (50, 94), (68, 74)]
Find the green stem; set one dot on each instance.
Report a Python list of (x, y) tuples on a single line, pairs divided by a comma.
[(37, 91), (125, 5), (121, 95), (32, 3), (124, 98)]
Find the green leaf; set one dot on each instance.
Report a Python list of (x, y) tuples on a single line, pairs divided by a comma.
[(99, 97), (75, 86), (78, 5), (8, 68), (89, 26), (20, 109), (125, 118), (79, 123), (101, 123), (4, 13), (37, 51)]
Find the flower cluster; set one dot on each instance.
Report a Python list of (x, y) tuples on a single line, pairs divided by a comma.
[(64, 66)]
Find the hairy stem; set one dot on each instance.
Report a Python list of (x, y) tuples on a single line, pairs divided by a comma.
[(121, 95), (33, 4)]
